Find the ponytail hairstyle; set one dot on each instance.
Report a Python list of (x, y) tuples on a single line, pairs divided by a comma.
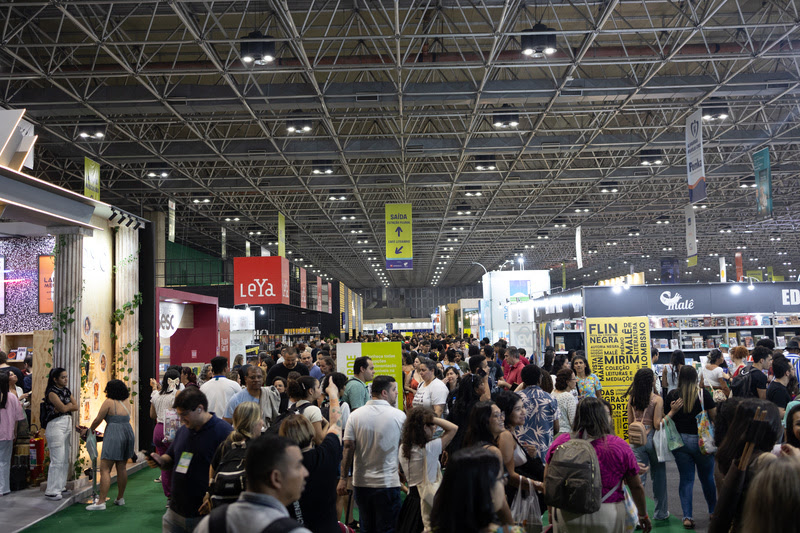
[(245, 417), (298, 389)]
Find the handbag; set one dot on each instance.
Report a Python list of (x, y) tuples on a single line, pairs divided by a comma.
[(674, 440), (525, 510), (705, 431), (661, 444), (631, 512)]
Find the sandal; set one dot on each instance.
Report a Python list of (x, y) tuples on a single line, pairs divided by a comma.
[(688, 523)]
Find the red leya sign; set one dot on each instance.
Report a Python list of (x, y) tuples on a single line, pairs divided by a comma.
[(260, 280)]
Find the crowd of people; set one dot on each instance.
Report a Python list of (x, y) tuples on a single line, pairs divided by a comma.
[(288, 443)]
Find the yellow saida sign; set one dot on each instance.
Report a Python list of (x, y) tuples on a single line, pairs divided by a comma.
[(616, 348), (399, 240)]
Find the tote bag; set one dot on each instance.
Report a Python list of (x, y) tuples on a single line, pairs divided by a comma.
[(705, 431)]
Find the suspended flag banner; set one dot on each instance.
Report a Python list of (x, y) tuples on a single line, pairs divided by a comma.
[(763, 175), (723, 271), (399, 237), (695, 167), (691, 235), (670, 270), (265, 251), (578, 255), (563, 276), (171, 221), (281, 235), (91, 178), (224, 243), (738, 261), (247, 248)]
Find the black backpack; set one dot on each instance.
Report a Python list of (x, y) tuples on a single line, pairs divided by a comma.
[(276, 424), (741, 385), (230, 478)]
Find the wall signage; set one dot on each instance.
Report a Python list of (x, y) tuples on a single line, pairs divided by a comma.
[(47, 268), (260, 280)]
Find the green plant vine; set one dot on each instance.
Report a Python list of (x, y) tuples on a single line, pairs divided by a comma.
[(118, 316)]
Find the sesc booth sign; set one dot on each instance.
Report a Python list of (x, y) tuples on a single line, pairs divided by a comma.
[(260, 280)]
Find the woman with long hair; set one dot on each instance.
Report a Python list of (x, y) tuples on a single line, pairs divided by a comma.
[(248, 424), (452, 377), (647, 407), (419, 457), (793, 426), (559, 361), (547, 382), (713, 374), (303, 392), (617, 465), (685, 405), (565, 384), (318, 504), (118, 441), (161, 401), (409, 383), (469, 392), (588, 384), (771, 503), (188, 377), (59, 406), (10, 413), (516, 459), (669, 375), (472, 495)]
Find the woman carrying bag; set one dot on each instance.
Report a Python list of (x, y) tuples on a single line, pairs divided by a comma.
[(713, 376), (419, 458), (645, 411)]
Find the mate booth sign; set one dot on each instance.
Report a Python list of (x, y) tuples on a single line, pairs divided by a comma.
[(387, 357), (260, 280), (616, 349)]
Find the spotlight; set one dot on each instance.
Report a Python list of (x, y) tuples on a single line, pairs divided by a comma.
[(255, 50), (536, 42)]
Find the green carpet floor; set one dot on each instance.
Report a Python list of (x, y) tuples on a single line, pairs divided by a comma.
[(145, 506)]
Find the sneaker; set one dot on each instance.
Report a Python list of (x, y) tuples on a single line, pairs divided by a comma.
[(157, 480), (119, 501), (54, 497), (96, 507)]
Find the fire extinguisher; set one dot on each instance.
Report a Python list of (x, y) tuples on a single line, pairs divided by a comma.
[(36, 456)]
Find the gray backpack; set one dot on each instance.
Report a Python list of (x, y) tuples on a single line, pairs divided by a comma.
[(573, 482)]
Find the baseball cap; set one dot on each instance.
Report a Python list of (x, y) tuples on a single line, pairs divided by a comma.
[(792, 345)]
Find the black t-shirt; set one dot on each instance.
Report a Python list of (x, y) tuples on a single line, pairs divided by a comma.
[(318, 502), (778, 394), (281, 371), (758, 380), (687, 422)]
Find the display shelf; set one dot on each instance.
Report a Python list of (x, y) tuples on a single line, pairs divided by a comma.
[(568, 331), (765, 326), (702, 328), (666, 329), (786, 325)]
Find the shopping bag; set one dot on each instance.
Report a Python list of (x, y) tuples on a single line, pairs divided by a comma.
[(674, 440), (705, 431), (661, 444), (172, 423), (631, 512), (525, 509)]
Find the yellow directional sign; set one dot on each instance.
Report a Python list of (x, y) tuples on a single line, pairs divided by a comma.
[(399, 239)]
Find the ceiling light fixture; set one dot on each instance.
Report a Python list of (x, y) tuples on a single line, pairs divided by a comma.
[(651, 157), (254, 49), (506, 117), (538, 41)]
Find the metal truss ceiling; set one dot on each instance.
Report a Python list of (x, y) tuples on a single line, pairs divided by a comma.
[(401, 98)]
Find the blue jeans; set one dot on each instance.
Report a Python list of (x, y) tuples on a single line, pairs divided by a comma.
[(172, 522), (686, 458), (378, 509), (647, 456)]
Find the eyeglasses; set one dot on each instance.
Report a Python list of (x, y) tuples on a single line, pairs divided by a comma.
[(499, 416)]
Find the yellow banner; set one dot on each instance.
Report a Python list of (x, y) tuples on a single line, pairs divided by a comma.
[(755, 274), (281, 235), (616, 348), (399, 241), (91, 178)]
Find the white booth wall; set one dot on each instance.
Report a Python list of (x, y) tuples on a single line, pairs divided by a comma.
[(499, 313)]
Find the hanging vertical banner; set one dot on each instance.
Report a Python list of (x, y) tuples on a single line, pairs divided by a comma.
[(691, 235), (616, 348), (399, 237), (670, 271), (303, 288), (46, 280), (247, 248), (281, 235), (2, 285), (319, 294), (91, 178), (224, 239), (723, 271), (739, 266), (563, 276), (763, 174), (578, 255), (171, 221), (695, 167), (265, 251)]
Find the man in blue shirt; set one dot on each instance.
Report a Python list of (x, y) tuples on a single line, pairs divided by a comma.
[(541, 413), (189, 457)]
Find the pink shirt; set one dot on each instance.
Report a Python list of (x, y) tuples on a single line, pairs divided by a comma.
[(9, 416), (616, 461)]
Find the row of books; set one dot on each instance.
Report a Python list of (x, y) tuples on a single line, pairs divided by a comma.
[(721, 321), (697, 341)]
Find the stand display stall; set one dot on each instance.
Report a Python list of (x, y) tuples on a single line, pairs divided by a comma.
[(188, 329), (694, 318)]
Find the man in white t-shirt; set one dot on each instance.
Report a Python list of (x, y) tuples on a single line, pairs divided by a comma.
[(371, 441), (219, 389)]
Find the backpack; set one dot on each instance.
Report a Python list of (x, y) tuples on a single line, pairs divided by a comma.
[(276, 424), (573, 481), (741, 385), (637, 433), (229, 479), (217, 523), (43, 413)]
